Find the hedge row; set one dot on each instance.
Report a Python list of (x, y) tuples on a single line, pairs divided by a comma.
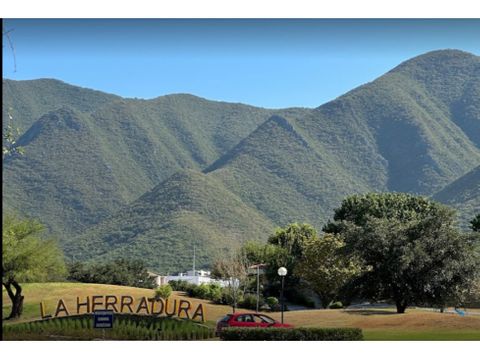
[(303, 334), (125, 327)]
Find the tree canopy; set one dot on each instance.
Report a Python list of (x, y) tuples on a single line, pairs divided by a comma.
[(26, 256), (359, 209), (292, 239)]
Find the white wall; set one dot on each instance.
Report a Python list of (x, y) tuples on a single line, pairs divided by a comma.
[(198, 280)]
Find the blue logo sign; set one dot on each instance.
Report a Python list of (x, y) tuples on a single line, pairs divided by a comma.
[(103, 319)]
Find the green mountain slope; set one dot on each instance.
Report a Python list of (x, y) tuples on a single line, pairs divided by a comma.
[(464, 195), (63, 179), (453, 78), (125, 148), (280, 171), (162, 225), (407, 114), (394, 134)]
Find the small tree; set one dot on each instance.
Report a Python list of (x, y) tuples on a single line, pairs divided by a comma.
[(326, 267), (163, 292), (233, 268), (26, 257)]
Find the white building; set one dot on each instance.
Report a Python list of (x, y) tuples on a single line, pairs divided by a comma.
[(197, 277), (158, 279)]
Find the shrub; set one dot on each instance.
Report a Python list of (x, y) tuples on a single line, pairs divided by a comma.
[(163, 292), (202, 291), (215, 293), (250, 301), (227, 297), (336, 305), (272, 302), (179, 285), (292, 334)]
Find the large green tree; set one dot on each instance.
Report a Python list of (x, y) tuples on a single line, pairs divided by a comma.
[(326, 267), (27, 257), (414, 250)]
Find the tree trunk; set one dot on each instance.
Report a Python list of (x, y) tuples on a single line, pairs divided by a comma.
[(325, 300), (234, 298), (401, 306), (234, 304), (234, 301), (16, 298)]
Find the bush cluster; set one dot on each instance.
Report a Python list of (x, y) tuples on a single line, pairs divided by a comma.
[(223, 296), (213, 292), (292, 334), (179, 285)]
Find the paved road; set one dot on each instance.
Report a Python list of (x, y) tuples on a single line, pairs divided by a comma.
[(476, 312)]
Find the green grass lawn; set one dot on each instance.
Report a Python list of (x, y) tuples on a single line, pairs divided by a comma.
[(455, 335)]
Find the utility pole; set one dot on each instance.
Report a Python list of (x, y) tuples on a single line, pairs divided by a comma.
[(258, 286), (193, 258)]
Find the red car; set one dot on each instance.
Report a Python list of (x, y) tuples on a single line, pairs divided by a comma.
[(248, 320)]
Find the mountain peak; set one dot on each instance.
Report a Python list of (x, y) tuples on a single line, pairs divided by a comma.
[(438, 60), (446, 53), (64, 117)]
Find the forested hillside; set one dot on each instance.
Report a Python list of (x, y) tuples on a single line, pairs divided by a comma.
[(464, 195)]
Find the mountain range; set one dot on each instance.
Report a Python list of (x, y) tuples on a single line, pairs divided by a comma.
[(115, 177)]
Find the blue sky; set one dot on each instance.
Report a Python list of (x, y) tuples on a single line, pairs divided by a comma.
[(270, 63)]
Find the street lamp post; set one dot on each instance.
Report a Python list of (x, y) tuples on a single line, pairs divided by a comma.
[(258, 287), (282, 272)]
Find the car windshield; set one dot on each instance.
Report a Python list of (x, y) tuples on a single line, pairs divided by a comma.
[(245, 318), (225, 318), (266, 319)]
